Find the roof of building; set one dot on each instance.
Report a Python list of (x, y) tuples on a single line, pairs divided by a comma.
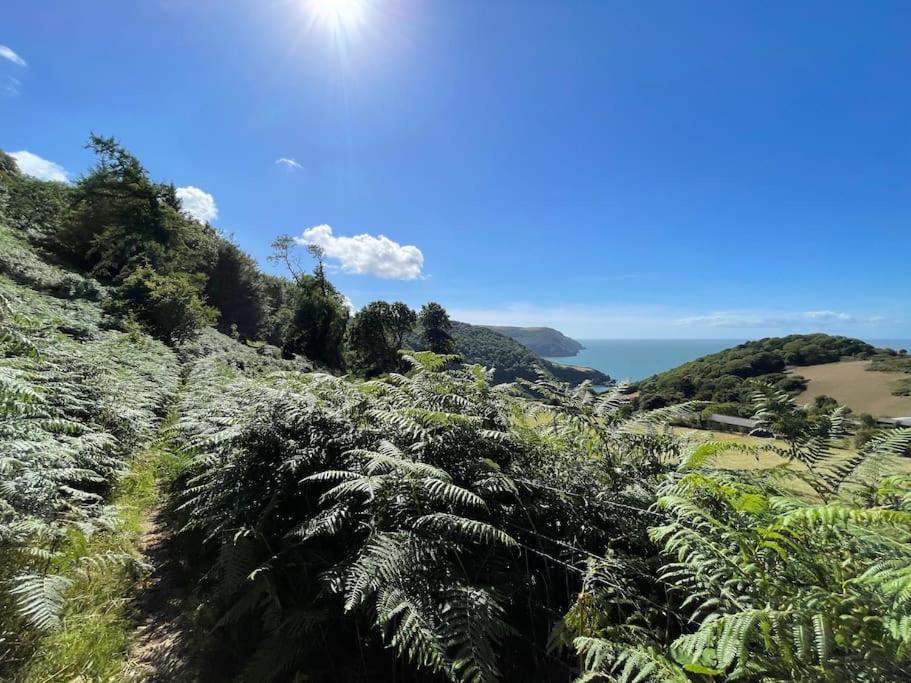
[(735, 421), (897, 421)]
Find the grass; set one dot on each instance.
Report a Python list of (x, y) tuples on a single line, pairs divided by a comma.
[(97, 625), (853, 384), (902, 387)]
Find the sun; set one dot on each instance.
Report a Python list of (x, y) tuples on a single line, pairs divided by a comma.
[(338, 14)]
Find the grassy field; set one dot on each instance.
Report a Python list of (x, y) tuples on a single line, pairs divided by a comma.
[(738, 460), (852, 384)]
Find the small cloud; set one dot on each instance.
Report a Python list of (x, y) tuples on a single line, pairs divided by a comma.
[(290, 164), (367, 254), (733, 319), (10, 86), (7, 53), (349, 305), (33, 165), (197, 203)]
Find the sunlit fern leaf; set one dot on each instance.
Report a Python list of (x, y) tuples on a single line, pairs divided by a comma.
[(705, 454), (837, 515), (472, 529), (40, 598), (474, 628)]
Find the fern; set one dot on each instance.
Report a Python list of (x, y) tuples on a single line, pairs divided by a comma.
[(40, 598)]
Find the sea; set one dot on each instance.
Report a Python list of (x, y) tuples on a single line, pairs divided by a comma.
[(635, 359)]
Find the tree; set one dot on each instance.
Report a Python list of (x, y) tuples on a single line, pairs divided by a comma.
[(282, 255), (375, 335), (312, 315), (436, 328), (235, 287), (119, 219), (318, 253), (312, 323)]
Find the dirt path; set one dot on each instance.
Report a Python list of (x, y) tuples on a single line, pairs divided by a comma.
[(159, 652)]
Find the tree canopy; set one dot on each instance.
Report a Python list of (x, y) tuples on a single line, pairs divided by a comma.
[(375, 335), (436, 328)]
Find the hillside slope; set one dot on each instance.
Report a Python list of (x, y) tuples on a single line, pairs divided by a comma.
[(722, 377), (485, 346), (544, 341)]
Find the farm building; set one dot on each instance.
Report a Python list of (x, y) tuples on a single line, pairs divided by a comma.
[(731, 423)]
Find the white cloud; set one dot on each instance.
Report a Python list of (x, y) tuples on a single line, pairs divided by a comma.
[(290, 164), (794, 319), (368, 254), (10, 87), (349, 305), (7, 53), (197, 203), (35, 166), (661, 322)]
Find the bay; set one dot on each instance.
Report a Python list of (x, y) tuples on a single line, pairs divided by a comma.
[(636, 359)]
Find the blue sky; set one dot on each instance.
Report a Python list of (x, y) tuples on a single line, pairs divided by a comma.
[(614, 169)]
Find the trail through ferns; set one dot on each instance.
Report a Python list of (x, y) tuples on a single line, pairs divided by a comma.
[(158, 650)]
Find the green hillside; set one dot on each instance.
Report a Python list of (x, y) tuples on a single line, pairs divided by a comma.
[(544, 341), (724, 377), (489, 347)]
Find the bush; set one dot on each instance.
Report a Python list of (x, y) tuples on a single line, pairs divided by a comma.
[(170, 306)]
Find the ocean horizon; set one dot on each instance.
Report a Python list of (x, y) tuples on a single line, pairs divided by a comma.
[(636, 359)]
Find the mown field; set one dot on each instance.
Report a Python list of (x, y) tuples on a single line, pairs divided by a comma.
[(852, 384)]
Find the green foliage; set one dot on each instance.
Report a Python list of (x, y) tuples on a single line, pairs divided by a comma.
[(411, 511), (902, 387), (236, 288), (757, 567), (509, 359), (70, 413), (375, 335), (312, 323), (721, 377), (436, 328), (889, 360), (310, 314), (424, 526), (544, 341), (169, 305), (33, 207), (120, 220)]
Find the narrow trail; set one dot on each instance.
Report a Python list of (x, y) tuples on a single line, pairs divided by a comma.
[(159, 651)]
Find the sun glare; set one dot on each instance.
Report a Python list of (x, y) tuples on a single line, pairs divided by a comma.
[(338, 14)]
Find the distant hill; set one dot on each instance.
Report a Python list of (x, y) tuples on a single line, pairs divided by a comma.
[(723, 377), (488, 347), (544, 341)]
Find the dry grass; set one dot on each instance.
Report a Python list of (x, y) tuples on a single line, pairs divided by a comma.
[(851, 384), (738, 460)]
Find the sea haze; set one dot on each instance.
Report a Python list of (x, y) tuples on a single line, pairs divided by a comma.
[(635, 359)]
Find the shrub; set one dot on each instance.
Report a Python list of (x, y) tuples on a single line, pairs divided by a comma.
[(170, 306)]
